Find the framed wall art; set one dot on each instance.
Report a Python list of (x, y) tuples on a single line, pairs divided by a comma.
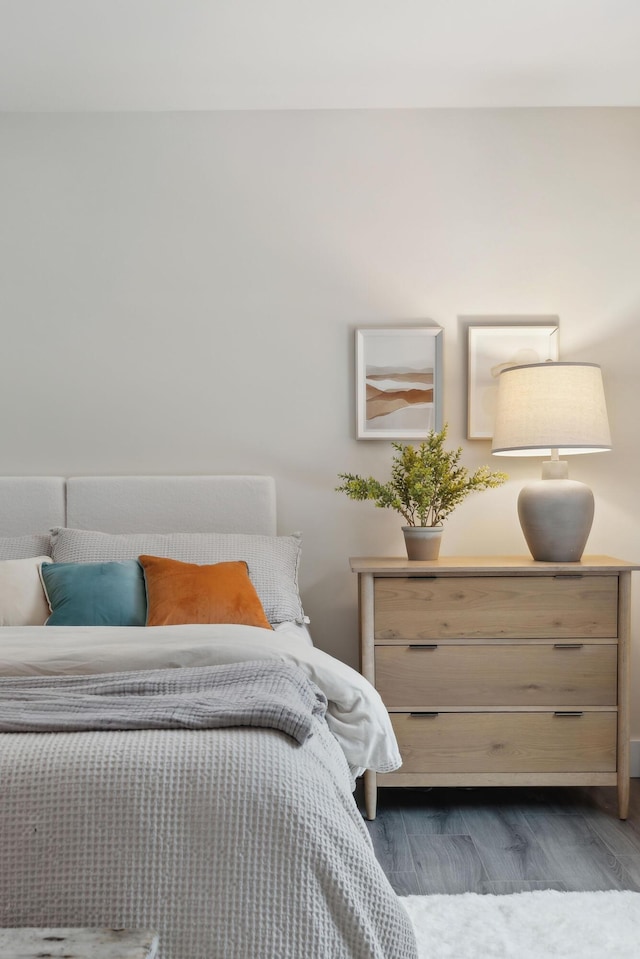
[(398, 383), (492, 349)]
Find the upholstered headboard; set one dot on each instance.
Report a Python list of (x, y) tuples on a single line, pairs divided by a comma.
[(190, 504), (138, 504), (31, 504)]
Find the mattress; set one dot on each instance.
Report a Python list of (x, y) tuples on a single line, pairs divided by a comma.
[(232, 843)]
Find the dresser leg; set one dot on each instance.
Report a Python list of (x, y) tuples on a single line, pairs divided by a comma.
[(370, 794), (623, 797)]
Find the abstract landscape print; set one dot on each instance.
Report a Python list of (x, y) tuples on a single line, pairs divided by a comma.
[(398, 382)]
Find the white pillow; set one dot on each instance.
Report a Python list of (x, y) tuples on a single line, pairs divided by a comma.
[(273, 561), (22, 598)]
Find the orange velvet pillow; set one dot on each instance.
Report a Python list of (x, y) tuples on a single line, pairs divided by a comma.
[(180, 593)]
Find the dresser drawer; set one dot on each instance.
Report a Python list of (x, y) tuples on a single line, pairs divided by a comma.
[(408, 609), (495, 742), (499, 675)]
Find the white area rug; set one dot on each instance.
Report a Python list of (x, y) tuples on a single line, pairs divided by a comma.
[(527, 925)]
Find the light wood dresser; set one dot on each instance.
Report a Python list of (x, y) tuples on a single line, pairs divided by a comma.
[(500, 670)]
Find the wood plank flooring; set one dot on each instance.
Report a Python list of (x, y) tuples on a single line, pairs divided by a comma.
[(503, 840)]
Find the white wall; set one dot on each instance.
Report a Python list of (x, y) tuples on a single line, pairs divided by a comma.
[(179, 294)]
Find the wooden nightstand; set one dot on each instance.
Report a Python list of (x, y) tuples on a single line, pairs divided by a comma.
[(500, 670)]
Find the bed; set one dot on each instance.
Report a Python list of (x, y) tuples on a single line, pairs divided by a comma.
[(234, 839)]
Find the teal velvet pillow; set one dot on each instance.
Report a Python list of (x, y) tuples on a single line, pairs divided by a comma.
[(95, 594)]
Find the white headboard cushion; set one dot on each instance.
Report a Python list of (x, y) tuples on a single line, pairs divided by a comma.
[(31, 504), (172, 504)]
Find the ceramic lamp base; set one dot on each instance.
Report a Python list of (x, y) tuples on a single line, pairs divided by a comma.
[(556, 517)]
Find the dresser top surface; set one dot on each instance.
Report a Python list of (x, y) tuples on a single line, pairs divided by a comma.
[(523, 565)]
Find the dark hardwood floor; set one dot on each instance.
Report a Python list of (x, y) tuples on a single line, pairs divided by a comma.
[(499, 840)]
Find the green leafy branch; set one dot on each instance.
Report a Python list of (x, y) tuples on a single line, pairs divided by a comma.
[(427, 482)]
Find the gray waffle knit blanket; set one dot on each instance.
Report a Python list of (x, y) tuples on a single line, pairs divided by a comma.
[(268, 694)]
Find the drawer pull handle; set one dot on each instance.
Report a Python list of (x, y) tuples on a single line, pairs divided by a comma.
[(424, 715), (568, 576), (564, 714), (423, 645), (568, 645)]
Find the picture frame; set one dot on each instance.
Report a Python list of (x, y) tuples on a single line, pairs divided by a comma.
[(398, 382), (493, 347)]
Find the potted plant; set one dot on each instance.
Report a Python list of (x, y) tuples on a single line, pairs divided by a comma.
[(427, 483)]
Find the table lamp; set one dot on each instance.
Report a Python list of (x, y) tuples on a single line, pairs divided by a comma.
[(552, 409)]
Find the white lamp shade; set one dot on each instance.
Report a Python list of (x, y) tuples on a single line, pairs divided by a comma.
[(551, 406)]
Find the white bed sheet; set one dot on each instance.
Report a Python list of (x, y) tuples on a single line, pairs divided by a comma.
[(356, 714)]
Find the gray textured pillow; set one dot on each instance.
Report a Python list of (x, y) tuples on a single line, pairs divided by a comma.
[(273, 561), (25, 547)]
